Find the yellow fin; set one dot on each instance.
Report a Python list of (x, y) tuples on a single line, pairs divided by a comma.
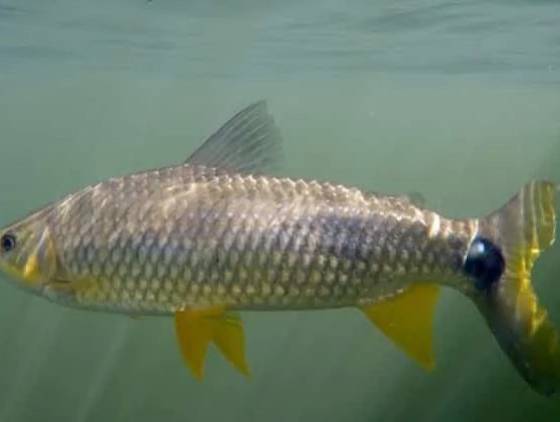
[(229, 337), (197, 328), (194, 333), (41, 262), (407, 320), (31, 270)]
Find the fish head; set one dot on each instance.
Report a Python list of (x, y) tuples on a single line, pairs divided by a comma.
[(27, 252)]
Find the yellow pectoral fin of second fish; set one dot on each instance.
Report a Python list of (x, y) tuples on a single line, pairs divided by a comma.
[(196, 329), (407, 319)]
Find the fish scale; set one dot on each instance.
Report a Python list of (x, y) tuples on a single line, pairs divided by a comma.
[(242, 241)]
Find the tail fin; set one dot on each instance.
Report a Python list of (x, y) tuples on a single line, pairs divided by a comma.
[(523, 228)]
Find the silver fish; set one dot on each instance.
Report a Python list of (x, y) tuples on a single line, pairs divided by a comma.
[(218, 234)]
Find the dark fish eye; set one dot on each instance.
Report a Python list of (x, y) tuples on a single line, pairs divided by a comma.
[(484, 262), (8, 242)]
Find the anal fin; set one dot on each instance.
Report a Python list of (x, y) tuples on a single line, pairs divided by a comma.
[(196, 329), (407, 320)]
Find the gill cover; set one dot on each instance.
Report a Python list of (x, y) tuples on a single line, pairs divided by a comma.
[(31, 259), (522, 229)]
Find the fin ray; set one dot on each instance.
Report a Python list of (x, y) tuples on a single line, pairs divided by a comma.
[(194, 335), (229, 337), (196, 329), (407, 320), (523, 228), (249, 142)]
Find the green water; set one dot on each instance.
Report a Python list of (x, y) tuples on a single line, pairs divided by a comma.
[(457, 100)]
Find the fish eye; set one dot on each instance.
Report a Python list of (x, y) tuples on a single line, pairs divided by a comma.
[(484, 262), (8, 242)]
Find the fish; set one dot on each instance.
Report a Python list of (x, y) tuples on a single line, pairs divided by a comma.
[(221, 233)]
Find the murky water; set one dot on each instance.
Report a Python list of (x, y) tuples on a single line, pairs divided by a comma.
[(457, 100)]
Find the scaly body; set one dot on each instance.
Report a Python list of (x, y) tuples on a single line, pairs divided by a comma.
[(218, 234), (186, 237)]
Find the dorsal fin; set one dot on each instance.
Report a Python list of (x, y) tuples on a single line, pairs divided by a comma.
[(249, 142), (416, 198)]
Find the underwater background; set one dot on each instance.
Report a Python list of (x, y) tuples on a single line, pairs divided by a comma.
[(458, 100)]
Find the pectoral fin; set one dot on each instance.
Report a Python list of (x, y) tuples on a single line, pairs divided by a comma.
[(229, 337), (196, 329), (407, 320)]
